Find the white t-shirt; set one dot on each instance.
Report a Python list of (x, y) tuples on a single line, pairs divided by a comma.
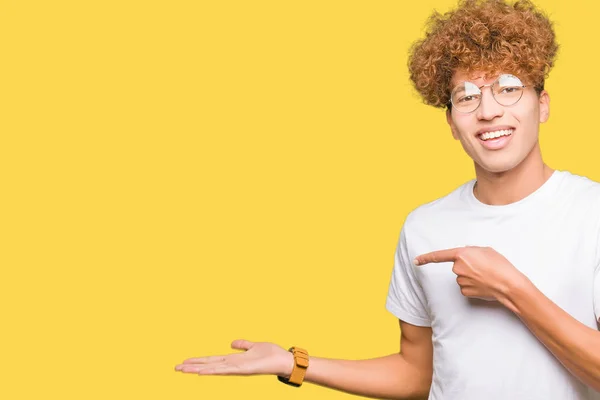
[(481, 349)]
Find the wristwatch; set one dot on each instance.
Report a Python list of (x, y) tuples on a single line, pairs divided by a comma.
[(300, 366)]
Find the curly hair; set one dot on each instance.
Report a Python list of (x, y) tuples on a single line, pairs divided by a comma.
[(490, 36)]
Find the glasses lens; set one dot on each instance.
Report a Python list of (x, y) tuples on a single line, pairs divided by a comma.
[(466, 97), (507, 90)]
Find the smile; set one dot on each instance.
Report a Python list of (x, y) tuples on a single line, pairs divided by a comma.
[(496, 140), (496, 134)]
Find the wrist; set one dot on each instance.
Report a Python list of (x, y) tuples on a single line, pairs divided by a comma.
[(300, 365), (513, 290), (287, 365)]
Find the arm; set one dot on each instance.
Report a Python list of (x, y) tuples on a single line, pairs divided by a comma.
[(404, 375), (574, 344)]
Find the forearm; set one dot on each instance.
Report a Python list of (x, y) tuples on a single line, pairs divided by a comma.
[(390, 377), (574, 344)]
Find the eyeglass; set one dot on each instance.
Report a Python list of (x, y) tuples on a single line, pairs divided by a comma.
[(506, 90)]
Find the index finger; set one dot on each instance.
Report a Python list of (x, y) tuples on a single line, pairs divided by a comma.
[(437, 256)]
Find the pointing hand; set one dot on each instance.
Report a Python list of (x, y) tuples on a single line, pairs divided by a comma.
[(481, 272)]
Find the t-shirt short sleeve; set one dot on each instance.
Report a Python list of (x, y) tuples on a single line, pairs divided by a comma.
[(597, 294), (406, 299)]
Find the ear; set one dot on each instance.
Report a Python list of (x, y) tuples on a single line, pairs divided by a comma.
[(451, 123), (544, 106)]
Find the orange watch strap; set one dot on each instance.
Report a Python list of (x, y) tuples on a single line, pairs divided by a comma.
[(299, 370), (300, 365)]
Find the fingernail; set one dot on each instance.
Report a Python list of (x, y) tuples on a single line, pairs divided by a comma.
[(416, 262)]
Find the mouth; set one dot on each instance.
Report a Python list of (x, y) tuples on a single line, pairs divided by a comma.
[(495, 139)]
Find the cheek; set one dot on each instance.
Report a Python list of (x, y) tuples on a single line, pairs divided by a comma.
[(528, 114), (461, 126), (529, 121)]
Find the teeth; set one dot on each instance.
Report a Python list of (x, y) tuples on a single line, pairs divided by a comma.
[(495, 134)]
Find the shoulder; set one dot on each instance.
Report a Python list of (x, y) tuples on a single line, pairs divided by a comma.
[(441, 209), (577, 198), (578, 188)]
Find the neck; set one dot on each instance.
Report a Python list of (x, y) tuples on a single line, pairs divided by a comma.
[(502, 188)]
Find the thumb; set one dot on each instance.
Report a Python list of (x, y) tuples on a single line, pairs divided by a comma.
[(242, 344)]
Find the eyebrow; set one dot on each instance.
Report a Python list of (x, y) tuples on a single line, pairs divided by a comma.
[(453, 84)]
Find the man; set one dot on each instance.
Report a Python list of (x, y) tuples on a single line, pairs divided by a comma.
[(496, 285)]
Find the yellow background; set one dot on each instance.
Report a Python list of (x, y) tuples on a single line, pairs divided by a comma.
[(179, 174)]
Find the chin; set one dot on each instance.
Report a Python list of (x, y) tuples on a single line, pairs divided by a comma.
[(498, 166)]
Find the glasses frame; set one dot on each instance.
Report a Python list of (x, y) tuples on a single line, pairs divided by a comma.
[(491, 90)]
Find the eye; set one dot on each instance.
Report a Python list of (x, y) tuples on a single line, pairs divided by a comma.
[(466, 99), (510, 89)]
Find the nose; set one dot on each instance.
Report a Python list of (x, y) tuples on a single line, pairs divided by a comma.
[(489, 107)]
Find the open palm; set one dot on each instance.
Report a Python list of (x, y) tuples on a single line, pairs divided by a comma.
[(258, 358)]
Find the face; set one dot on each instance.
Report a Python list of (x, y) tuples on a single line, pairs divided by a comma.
[(518, 124)]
